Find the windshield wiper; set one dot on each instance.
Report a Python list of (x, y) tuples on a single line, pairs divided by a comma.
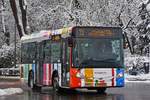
[(108, 60), (92, 61), (99, 60), (99, 63)]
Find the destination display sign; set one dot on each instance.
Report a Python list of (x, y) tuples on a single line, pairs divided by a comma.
[(97, 32), (103, 32), (56, 37)]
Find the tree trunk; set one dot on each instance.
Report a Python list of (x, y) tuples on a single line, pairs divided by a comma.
[(130, 47), (23, 7), (3, 20), (17, 18)]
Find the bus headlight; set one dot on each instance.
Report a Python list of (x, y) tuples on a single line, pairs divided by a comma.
[(78, 75), (120, 75)]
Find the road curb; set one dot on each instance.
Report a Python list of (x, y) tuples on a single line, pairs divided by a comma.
[(9, 77)]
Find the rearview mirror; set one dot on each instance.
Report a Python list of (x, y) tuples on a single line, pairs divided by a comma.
[(70, 42)]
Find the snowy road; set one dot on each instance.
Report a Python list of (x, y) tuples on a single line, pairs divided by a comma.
[(138, 90), (132, 91)]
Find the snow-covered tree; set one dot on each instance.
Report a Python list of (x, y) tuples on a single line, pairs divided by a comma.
[(141, 38), (53, 14), (7, 55)]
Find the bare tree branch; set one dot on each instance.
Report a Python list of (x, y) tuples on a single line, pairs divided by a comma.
[(128, 23)]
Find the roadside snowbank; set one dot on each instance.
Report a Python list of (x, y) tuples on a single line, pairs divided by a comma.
[(10, 91), (141, 77)]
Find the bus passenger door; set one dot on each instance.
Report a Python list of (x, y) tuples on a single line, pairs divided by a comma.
[(56, 58), (65, 64)]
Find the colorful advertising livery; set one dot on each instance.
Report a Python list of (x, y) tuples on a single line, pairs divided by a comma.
[(75, 57)]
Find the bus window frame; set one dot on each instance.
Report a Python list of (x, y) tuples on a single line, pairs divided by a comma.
[(27, 59), (51, 52), (44, 53)]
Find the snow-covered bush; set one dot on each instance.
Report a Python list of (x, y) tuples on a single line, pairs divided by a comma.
[(7, 55), (10, 91)]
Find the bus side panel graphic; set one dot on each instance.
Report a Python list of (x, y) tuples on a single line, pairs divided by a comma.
[(47, 74), (97, 77)]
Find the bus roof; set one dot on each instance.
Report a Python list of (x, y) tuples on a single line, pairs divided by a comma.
[(46, 34), (67, 32)]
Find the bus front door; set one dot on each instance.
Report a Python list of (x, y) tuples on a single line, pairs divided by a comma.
[(65, 64)]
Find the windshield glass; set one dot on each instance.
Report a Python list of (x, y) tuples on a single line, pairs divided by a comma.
[(91, 52)]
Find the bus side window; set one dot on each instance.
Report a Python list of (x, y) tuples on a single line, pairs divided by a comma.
[(24, 49), (41, 47), (31, 52), (47, 51), (55, 52)]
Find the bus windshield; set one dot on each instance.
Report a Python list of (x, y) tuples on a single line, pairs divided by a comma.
[(100, 53)]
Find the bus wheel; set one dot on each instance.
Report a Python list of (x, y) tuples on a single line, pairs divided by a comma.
[(101, 90), (55, 84), (31, 82)]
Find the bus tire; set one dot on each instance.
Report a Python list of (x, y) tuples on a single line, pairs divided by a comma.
[(31, 82), (30, 79), (101, 90)]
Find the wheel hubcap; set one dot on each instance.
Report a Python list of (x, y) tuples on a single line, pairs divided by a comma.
[(31, 83)]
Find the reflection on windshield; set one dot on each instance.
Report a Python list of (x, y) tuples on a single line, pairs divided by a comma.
[(97, 52)]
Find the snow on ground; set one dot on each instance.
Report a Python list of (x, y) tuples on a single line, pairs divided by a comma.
[(10, 91), (140, 78), (138, 62)]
